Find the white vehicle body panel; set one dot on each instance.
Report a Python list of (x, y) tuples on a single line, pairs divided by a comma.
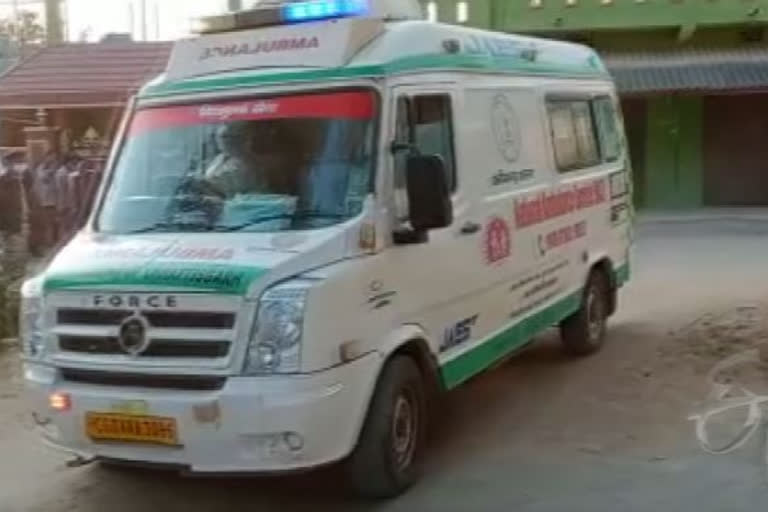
[(514, 262)]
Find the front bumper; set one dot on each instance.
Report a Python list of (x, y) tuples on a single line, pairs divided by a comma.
[(250, 425)]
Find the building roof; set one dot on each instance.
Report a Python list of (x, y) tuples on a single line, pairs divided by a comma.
[(10, 56), (689, 70), (401, 47), (82, 74)]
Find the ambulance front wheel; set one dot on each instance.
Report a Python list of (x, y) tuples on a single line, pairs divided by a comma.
[(584, 332), (387, 459)]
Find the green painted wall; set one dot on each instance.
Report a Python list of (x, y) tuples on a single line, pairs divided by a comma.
[(673, 166), (663, 39), (623, 25), (481, 12), (520, 15)]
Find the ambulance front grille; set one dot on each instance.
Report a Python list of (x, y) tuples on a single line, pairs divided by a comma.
[(188, 320), (156, 348), (180, 382), (171, 334)]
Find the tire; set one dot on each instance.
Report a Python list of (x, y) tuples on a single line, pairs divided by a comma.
[(584, 332), (116, 466), (388, 456)]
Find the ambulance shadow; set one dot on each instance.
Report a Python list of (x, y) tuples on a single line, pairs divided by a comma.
[(509, 402), (321, 488), (490, 409)]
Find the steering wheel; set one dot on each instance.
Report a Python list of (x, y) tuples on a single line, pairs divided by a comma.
[(200, 187)]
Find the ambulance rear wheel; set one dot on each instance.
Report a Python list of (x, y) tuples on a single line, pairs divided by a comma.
[(387, 459), (584, 332)]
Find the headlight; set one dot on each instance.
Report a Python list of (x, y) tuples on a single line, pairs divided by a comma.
[(275, 345), (31, 319)]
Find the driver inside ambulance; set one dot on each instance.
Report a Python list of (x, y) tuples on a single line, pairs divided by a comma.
[(235, 169)]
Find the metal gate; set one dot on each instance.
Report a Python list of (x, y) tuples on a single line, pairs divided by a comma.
[(735, 150)]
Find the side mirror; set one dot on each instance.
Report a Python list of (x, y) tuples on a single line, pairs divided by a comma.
[(429, 196)]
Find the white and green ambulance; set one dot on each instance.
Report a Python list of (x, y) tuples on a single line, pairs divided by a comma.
[(322, 215)]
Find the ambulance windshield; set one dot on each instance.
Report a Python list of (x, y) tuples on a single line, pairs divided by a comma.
[(267, 164)]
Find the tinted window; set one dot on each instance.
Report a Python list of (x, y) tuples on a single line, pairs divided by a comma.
[(573, 134), (425, 125), (607, 129), (433, 130)]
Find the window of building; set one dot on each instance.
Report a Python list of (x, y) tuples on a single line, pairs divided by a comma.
[(432, 11), (462, 12), (573, 134), (606, 120)]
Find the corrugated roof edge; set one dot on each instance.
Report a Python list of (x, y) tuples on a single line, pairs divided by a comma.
[(554, 58), (22, 60), (696, 70)]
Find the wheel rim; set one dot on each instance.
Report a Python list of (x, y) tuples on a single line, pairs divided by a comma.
[(595, 315), (405, 425)]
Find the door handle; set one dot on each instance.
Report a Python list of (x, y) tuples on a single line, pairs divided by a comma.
[(470, 228)]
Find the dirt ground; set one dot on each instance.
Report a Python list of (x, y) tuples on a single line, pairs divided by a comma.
[(541, 432)]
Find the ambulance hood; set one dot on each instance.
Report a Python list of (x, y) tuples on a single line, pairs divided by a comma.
[(231, 264)]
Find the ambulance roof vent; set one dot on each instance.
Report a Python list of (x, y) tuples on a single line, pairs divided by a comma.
[(271, 13)]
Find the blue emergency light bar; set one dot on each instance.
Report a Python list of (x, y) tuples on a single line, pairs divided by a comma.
[(323, 9), (272, 14)]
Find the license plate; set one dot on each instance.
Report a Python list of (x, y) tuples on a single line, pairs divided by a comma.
[(131, 429)]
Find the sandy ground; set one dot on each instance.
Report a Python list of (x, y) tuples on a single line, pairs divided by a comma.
[(539, 433)]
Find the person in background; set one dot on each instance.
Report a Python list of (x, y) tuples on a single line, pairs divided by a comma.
[(45, 226), (74, 185), (34, 212), (12, 245), (11, 220), (89, 177), (69, 199)]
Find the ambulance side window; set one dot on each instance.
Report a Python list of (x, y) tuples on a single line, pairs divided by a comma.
[(611, 145), (573, 134), (424, 123)]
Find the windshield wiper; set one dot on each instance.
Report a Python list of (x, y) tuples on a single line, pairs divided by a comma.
[(172, 226), (284, 216)]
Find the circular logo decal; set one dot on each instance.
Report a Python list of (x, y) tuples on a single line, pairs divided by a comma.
[(498, 245), (132, 337), (506, 128)]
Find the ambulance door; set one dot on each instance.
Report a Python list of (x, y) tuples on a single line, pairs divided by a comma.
[(438, 280)]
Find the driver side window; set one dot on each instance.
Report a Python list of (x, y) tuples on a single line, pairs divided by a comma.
[(423, 125)]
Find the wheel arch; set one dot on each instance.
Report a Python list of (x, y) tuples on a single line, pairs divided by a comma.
[(605, 265), (412, 341), (408, 341)]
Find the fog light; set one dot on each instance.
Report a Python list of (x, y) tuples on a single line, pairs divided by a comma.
[(275, 446), (294, 441), (61, 402)]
